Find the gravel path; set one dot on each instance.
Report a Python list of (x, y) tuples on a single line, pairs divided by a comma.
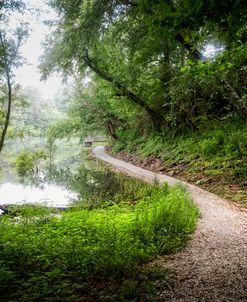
[(213, 267)]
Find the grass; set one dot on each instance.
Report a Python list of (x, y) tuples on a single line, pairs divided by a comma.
[(214, 156), (93, 254)]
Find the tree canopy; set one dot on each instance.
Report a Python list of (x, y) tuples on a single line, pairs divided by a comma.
[(151, 55)]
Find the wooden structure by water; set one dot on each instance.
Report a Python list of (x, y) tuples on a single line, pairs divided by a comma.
[(89, 140)]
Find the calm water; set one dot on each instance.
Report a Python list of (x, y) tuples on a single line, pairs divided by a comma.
[(49, 195), (42, 188), (72, 179)]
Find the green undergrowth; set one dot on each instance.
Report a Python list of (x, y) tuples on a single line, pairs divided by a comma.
[(93, 254), (214, 155)]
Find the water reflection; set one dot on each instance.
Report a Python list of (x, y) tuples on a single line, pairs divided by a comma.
[(49, 195), (63, 187)]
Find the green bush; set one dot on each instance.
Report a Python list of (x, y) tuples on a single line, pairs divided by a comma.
[(209, 146), (239, 172), (213, 144), (52, 257), (238, 142), (24, 164), (153, 146)]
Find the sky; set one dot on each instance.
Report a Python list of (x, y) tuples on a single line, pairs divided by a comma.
[(28, 75)]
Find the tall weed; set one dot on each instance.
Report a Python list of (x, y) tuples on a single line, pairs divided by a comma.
[(220, 144), (53, 257)]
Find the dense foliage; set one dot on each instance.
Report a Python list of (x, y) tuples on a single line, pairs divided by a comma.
[(72, 256), (148, 63), (162, 78), (214, 157), (12, 36)]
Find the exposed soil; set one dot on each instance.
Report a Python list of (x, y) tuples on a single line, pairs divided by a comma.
[(213, 267), (234, 191)]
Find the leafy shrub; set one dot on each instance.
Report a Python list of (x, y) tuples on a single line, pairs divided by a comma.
[(49, 258), (153, 146), (238, 142), (209, 146), (24, 164), (239, 172), (213, 144)]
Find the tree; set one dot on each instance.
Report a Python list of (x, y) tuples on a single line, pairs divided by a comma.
[(10, 59), (151, 54)]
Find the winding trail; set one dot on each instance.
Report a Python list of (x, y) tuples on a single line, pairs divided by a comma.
[(213, 267)]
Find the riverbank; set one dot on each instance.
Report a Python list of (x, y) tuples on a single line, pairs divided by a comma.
[(98, 251)]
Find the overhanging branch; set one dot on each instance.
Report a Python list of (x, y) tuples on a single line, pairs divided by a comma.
[(123, 91)]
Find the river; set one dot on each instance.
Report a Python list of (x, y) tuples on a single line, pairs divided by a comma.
[(45, 188), (72, 179)]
